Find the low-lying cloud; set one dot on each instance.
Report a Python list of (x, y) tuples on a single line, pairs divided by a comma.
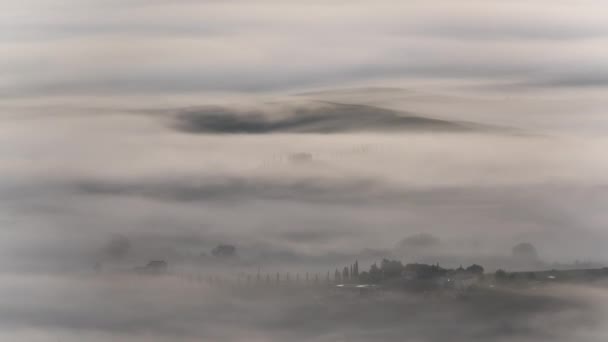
[(311, 118)]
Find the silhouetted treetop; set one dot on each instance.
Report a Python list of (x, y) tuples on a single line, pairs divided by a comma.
[(525, 251), (418, 241), (224, 251), (475, 269), (118, 246), (424, 271), (391, 268)]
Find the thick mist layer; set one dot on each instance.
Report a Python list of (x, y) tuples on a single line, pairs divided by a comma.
[(132, 308), (72, 181), (89, 197), (161, 162)]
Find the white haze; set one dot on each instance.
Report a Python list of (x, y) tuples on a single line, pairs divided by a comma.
[(507, 146)]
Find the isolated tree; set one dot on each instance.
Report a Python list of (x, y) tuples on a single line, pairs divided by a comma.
[(500, 274), (224, 251), (375, 274), (525, 252), (118, 246), (364, 277), (418, 243), (475, 269), (391, 268)]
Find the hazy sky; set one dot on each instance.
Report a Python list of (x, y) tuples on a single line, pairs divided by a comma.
[(118, 48)]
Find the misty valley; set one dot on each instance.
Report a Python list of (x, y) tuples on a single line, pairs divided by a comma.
[(303, 171)]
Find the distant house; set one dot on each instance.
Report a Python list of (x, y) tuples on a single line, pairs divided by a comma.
[(357, 288), (422, 277), (153, 267), (554, 275), (301, 157), (462, 280)]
